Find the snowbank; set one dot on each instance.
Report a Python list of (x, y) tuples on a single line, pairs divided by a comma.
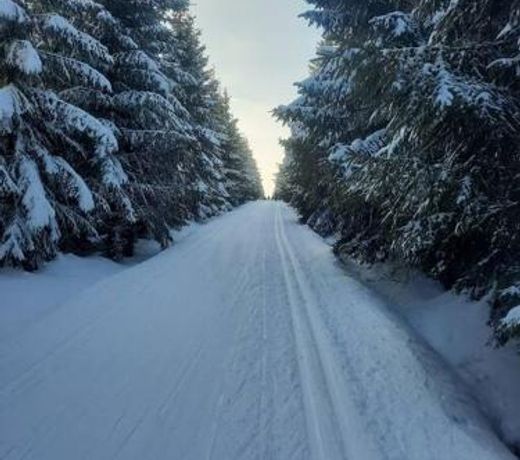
[(27, 297), (457, 329)]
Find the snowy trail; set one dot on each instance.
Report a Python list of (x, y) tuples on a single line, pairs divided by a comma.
[(245, 341)]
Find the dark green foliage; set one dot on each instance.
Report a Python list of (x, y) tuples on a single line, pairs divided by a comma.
[(111, 128), (405, 139)]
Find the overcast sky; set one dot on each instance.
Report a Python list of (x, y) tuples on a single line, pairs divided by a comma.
[(259, 49)]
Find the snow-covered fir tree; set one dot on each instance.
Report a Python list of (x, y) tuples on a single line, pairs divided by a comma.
[(242, 179), (154, 128), (98, 143), (405, 139), (200, 94), (166, 110), (80, 74), (60, 159)]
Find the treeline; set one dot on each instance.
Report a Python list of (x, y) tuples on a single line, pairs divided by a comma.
[(112, 128), (406, 141)]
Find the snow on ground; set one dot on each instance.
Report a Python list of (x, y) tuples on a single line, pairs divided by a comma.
[(27, 297), (244, 341), (457, 329)]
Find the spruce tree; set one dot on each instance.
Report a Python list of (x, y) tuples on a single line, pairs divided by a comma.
[(404, 139), (154, 128), (199, 92), (109, 127), (80, 74), (240, 172), (60, 159)]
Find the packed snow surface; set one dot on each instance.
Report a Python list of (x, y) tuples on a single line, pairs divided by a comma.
[(245, 340)]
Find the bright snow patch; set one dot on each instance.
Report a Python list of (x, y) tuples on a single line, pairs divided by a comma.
[(66, 31), (11, 104), (513, 318), (22, 56), (40, 213), (10, 11), (396, 23)]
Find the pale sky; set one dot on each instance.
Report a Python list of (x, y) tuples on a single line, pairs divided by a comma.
[(259, 49)]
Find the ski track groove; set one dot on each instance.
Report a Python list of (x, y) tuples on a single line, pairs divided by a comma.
[(296, 289)]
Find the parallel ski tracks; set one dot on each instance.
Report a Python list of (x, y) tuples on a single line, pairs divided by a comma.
[(325, 431)]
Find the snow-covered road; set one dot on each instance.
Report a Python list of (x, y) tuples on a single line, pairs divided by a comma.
[(244, 341)]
